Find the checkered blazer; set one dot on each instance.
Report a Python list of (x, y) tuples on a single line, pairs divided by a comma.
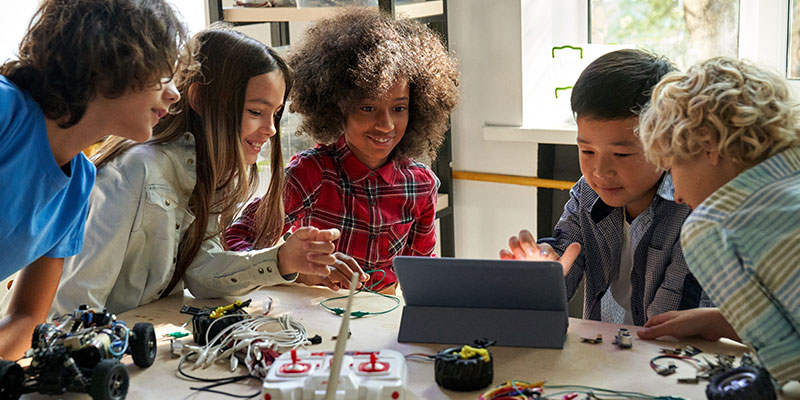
[(660, 279)]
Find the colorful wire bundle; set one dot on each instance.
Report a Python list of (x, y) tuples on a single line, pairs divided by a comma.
[(513, 389)]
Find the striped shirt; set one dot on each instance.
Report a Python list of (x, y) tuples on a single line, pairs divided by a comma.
[(381, 213), (743, 245), (660, 280)]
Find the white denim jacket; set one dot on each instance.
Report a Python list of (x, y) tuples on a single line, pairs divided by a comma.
[(138, 213)]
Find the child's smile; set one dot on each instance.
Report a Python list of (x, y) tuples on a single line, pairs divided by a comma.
[(613, 164), (375, 127), (263, 100)]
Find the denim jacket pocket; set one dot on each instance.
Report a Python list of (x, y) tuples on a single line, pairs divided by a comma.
[(161, 213)]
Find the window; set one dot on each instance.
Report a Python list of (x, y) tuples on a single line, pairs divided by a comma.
[(686, 31), (794, 41), (13, 23), (291, 143)]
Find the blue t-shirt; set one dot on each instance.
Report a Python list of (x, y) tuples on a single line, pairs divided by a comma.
[(42, 209)]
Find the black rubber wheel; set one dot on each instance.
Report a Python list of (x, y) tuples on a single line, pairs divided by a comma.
[(109, 381), (38, 335), (462, 375), (11, 378), (142, 344), (745, 383)]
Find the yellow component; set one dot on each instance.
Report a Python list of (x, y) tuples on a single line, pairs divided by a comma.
[(220, 311), (468, 352)]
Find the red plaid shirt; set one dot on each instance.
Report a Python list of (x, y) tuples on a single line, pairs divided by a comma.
[(382, 213)]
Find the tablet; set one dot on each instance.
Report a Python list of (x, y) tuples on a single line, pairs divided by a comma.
[(455, 301), (455, 282)]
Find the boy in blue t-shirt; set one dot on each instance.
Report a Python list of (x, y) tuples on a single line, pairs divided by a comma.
[(620, 228), (86, 69)]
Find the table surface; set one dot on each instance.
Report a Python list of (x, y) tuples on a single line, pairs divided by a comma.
[(602, 365)]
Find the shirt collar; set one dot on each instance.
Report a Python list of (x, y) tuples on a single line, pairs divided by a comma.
[(666, 190), (357, 171)]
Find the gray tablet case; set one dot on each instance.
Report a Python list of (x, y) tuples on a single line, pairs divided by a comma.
[(456, 301)]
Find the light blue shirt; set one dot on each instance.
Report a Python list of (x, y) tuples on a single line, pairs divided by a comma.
[(743, 245), (42, 208)]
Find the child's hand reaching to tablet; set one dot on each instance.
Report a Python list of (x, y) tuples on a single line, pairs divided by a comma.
[(524, 247)]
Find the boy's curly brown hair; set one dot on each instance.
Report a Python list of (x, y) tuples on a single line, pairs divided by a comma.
[(75, 50), (359, 54)]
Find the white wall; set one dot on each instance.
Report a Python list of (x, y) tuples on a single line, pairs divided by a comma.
[(486, 36), (14, 20)]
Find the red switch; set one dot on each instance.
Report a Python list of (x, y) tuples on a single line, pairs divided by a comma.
[(373, 365)]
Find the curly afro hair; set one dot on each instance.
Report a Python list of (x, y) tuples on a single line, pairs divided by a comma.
[(360, 53)]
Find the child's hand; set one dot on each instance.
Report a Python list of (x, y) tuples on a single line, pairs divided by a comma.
[(308, 251), (340, 275), (524, 247), (708, 323), (344, 268), (316, 280)]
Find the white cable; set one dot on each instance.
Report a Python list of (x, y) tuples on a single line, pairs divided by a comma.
[(249, 337)]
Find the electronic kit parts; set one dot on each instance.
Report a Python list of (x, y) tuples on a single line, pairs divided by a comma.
[(204, 320), (464, 368), (299, 375), (80, 352), (596, 340), (747, 382), (623, 339)]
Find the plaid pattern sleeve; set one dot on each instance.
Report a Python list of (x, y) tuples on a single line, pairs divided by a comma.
[(381, 213), (422, 235), (743, 245), (242, 233)]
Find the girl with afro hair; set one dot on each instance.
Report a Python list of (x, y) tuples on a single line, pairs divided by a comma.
[(375, 93)]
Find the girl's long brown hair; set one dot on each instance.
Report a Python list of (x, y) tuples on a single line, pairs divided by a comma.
[(228, 59)]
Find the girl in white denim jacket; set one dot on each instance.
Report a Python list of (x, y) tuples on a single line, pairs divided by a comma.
[(156, 208)]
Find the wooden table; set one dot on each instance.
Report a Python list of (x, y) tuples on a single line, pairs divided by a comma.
[(601, 365)]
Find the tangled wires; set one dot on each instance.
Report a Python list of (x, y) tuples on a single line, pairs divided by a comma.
[(248, 342)]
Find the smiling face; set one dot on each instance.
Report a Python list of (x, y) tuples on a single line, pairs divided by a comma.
[(613, 163), (134, 114), (375, 126), (263, 100)]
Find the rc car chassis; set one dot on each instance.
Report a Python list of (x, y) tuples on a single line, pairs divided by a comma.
[(80, 352)]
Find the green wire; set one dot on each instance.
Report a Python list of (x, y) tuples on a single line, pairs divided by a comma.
[(367, 289)]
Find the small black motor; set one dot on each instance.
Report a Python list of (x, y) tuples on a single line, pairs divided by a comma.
[(746, 382), (214, 320), (465, 368)]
